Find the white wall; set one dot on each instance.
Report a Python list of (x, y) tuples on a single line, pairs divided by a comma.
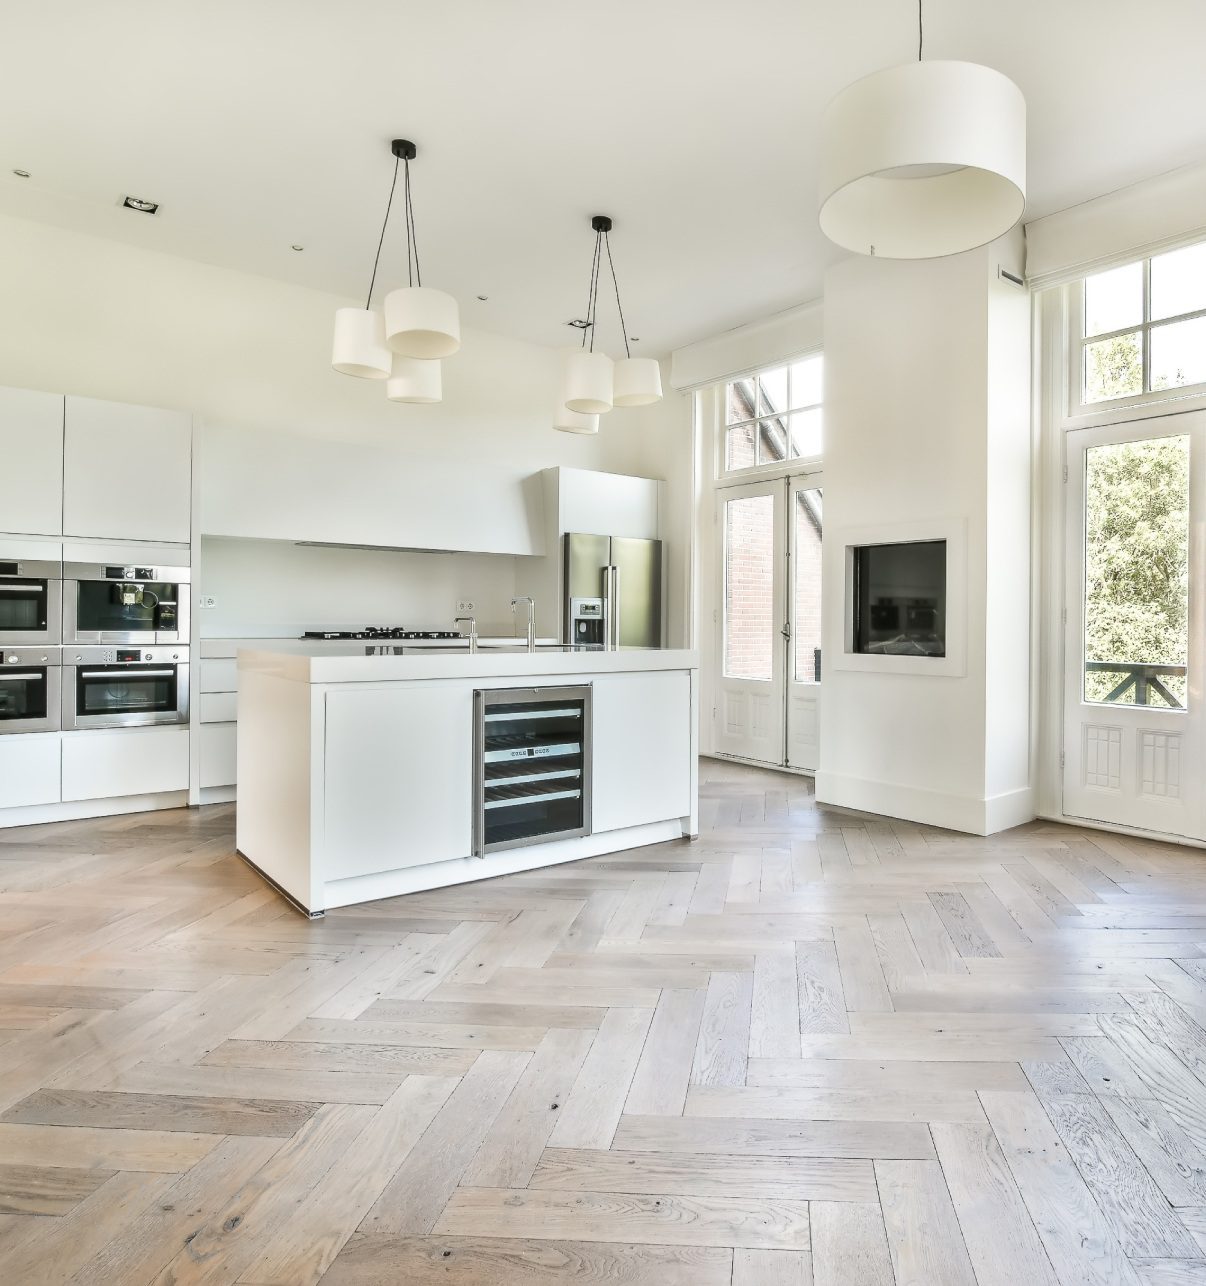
[(927, 418)]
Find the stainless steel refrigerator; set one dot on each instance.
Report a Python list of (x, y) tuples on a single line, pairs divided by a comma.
[(613, 591)]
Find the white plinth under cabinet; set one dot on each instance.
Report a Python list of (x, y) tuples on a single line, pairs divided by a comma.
[(356, 774)]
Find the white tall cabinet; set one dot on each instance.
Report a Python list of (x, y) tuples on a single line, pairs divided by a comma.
[(127, 472), (31, 446), (93, 481)]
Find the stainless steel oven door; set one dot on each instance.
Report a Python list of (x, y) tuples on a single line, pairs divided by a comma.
[(125, 687), (104, 603), (31, 603), (30, 686)]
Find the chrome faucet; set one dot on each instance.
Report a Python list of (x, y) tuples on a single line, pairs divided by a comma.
[(515, 602), (472, 630)]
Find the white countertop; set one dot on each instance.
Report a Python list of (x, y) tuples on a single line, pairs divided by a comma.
[(319, 663)]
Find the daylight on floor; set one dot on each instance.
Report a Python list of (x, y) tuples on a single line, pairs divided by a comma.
[(602, 646)]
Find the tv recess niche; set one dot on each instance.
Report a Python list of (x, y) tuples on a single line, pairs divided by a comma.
[(898, 599)]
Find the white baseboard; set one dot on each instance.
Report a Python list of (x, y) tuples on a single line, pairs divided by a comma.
[(74, 810), (931, 807), (216, 795)]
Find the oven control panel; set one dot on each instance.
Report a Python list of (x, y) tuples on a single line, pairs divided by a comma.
[(125, 655)]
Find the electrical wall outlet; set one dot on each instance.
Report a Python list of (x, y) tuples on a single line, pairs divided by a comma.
[(208, 600), (464, 605)]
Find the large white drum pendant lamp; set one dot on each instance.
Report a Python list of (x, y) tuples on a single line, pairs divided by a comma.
[(567, 421), (359, 345), (589, 383), (422, 323), (637, 382), (415, 381), (923, 160)]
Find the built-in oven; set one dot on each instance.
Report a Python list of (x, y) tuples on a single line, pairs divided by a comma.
[(31, 602), (120, 687), (29, 689), (103, 603)]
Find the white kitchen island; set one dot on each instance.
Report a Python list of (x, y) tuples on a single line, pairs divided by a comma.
[(356, 770)]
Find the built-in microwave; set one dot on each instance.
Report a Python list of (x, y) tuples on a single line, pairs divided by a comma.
[(120, 687), (29, 689), (103, 603), (31, 602)]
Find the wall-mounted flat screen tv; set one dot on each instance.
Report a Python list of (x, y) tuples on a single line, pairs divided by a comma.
[(899, 598)]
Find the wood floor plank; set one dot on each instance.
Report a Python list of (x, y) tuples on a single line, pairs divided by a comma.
[(924, 1237), (773, 1138), (849, 1245), (772, 1268), (45, 1190), (722, 1050), (590, 1113), (103, 1149), (728, 1221), (659, 1085), (801, 1178)]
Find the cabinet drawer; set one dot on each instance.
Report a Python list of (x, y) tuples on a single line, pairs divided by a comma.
[(111, 763), (217, 754), (219, 707), (30, 769), (219, 675)]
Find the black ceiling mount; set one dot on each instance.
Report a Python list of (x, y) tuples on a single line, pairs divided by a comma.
[(404, 149), (601, 223)]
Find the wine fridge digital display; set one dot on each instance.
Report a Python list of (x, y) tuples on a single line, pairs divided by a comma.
[(533, 761)]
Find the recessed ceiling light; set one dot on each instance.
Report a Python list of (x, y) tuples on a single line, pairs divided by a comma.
[(140, 204), (21, 174), (579, 323), (297, 247), (634, 339), (483, 298)]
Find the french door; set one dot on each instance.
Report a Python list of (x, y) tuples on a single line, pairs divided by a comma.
[(1134, 642), (769, 621)]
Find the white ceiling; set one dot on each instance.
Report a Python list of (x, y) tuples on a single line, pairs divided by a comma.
[(261, 123)]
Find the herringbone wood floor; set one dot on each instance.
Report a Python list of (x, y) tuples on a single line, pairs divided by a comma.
[(810, 1047)]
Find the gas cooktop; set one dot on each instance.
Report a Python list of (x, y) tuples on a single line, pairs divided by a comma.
[(380, 632)]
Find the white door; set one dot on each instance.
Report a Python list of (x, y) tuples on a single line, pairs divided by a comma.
[(804, 497), (1133, 650), (752, 621)]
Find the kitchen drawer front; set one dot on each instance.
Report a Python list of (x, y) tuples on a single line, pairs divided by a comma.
[(217, 754), (219, 675), (219, 707), (111, 763), (30, 769)]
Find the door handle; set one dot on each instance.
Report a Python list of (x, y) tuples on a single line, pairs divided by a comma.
[(786, 630)]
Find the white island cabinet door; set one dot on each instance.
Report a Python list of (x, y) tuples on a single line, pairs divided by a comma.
[(399, 778), (111, 763), (31, 447), (30, 769), (642, 749), (127, 472)]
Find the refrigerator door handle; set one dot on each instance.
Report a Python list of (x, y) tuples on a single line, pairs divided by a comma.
[(615, 606), (611, 607)]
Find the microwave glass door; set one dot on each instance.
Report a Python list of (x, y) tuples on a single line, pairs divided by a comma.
[(125, 607), (125, 690), (24, 694), (24, 605)]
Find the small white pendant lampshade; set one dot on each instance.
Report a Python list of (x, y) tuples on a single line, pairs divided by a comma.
[(638, 381), (567, 421), (923, 160), (414, 380), (359, 347), (588, 383), (421, 322)]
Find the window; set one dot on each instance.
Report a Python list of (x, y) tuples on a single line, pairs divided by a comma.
[(1144, 327), (774, 416)]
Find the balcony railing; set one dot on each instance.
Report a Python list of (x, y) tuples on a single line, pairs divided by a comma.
[(1143, 679)]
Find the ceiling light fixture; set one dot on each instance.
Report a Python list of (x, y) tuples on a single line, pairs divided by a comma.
[(923, 160), (593, 382), (21, 174), (141, 204), (419, 322), (415, 380)]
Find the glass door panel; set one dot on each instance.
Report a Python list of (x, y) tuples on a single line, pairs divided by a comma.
[(750, 715), (805, 505), (1132, 729)]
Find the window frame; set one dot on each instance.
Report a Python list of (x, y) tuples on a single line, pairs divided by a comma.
[(1078, 343), (789, 464)]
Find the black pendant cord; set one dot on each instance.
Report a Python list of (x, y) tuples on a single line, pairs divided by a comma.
[(412, 239), (384, 225), (592, 298), (920, 32), (616, 284)]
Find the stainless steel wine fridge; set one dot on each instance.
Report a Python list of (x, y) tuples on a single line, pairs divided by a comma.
[(533, 763)]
